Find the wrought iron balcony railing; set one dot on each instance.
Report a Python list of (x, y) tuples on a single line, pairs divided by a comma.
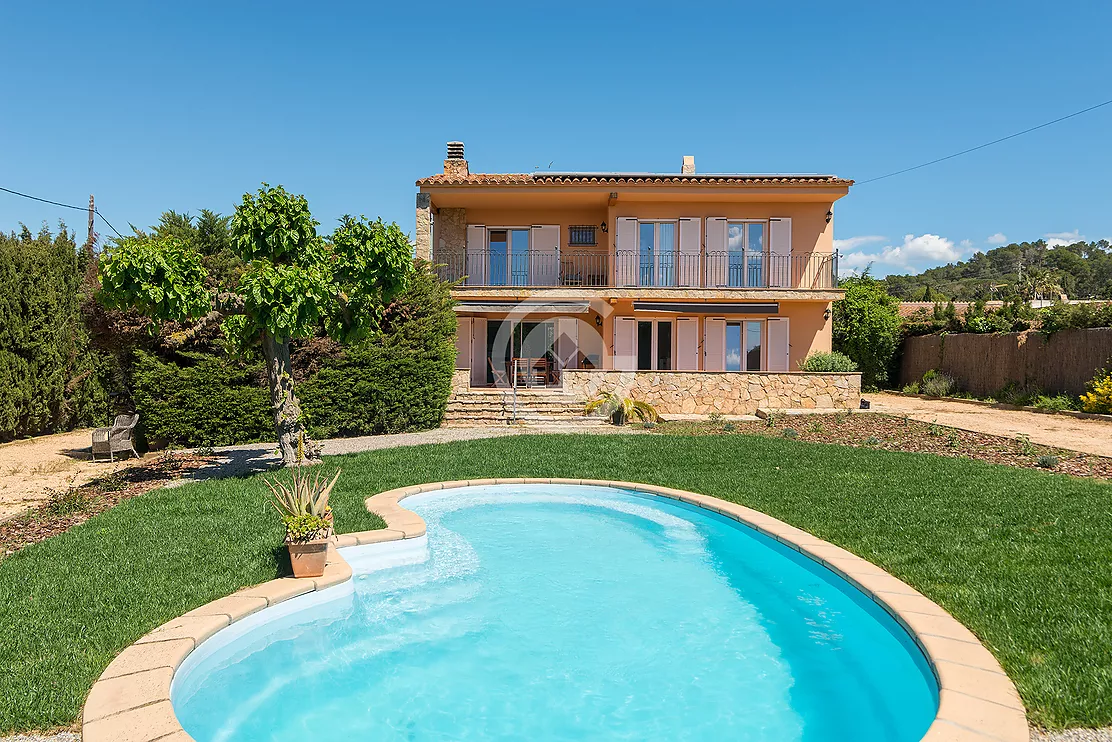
[(670, 269)]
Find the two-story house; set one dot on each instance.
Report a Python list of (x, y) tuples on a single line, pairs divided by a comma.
[(704, 291)]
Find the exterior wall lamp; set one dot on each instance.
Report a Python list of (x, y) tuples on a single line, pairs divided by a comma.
[(826, 314), (603, 227), (829, 216)]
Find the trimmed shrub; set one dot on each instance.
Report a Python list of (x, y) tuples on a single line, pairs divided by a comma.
[(212, 401), (397, 381), (820, 362)]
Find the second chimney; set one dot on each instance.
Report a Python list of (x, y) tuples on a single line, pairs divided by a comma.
[(455, 165), (688, 165)]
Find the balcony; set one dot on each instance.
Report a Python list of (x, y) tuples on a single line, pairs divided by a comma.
[(596, 269)]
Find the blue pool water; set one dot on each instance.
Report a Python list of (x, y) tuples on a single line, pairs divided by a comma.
[(548, 612)]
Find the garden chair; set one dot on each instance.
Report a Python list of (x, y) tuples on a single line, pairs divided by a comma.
[(117, 439), (501, 378)]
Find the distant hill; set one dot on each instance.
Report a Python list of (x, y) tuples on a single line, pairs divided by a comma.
[(1083, 270)]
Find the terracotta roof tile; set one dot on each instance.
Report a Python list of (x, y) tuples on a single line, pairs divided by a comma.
[(629, 179)]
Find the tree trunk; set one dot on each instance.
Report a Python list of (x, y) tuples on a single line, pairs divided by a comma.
[(284, 404)]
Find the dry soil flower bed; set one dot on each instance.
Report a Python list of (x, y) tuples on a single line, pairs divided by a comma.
[(874, 430), (70, 507)]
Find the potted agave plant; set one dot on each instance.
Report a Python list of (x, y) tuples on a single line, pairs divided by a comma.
[(302, 503)]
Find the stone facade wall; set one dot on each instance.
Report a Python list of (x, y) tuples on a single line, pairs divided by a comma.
[(461, 382), (704, 393), (451, 234)]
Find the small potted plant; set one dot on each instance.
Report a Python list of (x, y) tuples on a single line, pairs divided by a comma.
[(303, 506)]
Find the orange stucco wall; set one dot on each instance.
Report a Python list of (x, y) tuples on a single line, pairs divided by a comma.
[(809, 330)]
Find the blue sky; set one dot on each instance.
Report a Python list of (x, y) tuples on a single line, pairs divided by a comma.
[(155, 106)]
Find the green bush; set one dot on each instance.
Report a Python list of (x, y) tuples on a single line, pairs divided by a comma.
[(1057, 402), (820, 362), (867, 328), (49, 379), (398, 380), (938, 384), (205, 401)]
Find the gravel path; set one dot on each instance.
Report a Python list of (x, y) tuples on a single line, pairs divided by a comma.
[(1061, 431), (237, 461)]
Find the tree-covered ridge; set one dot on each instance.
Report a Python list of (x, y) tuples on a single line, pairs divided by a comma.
[(1029, 270)]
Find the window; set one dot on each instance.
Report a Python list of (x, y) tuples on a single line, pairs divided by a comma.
[(656, 243), (508, 257), (654, 345), (581, 236), (746, 247), (743, 345)]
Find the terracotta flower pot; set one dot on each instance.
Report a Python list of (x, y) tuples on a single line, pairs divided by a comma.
[(309, 557)]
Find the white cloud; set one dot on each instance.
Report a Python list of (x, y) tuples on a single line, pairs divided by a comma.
[(855, 242), (997, 239), (915, 254), (966, 245), (1059, 239)]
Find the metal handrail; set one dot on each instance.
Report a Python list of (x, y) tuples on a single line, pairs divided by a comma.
[(627, 268)]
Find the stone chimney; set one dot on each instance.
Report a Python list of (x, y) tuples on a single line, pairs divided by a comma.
[(688, 165), (455, 166)]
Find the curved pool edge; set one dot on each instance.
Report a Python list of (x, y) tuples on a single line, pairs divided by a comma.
[(130, 702)]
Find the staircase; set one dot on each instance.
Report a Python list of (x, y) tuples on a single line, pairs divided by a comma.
[(542, 407)]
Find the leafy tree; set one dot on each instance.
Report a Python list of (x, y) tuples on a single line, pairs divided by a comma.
[(294, 284), (867, 327)]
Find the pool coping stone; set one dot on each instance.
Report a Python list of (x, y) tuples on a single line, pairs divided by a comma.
[(130, 702)]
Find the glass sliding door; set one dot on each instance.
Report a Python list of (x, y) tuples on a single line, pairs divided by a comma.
[(496, 257), (666, 254), (733, 346), (753, 346), (745, 243), (519, 257), (508, 257), (755, 254), (663, 346), (646, 241), (657, 253), (645, 346)]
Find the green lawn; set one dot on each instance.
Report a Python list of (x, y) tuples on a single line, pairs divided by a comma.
[(1022, 557)]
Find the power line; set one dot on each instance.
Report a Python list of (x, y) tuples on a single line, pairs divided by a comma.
[(65, 206), (987, 144)]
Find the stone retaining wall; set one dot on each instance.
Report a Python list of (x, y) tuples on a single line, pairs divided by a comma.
[(704, 393)]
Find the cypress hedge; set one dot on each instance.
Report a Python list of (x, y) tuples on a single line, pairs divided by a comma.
[(49, 378)]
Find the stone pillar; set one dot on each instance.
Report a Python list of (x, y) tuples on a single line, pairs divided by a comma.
[(423, 235)]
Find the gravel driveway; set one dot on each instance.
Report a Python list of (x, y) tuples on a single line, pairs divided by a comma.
[(1061, 431)]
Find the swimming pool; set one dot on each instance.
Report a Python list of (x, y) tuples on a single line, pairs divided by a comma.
[(558, 612)]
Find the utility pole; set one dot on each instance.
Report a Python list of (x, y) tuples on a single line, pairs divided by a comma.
[(92, 238)]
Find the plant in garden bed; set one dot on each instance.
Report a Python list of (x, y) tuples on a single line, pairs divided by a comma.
[(622, 409), (822, 362), (303, 506), (1099, 396), (937, 384)]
